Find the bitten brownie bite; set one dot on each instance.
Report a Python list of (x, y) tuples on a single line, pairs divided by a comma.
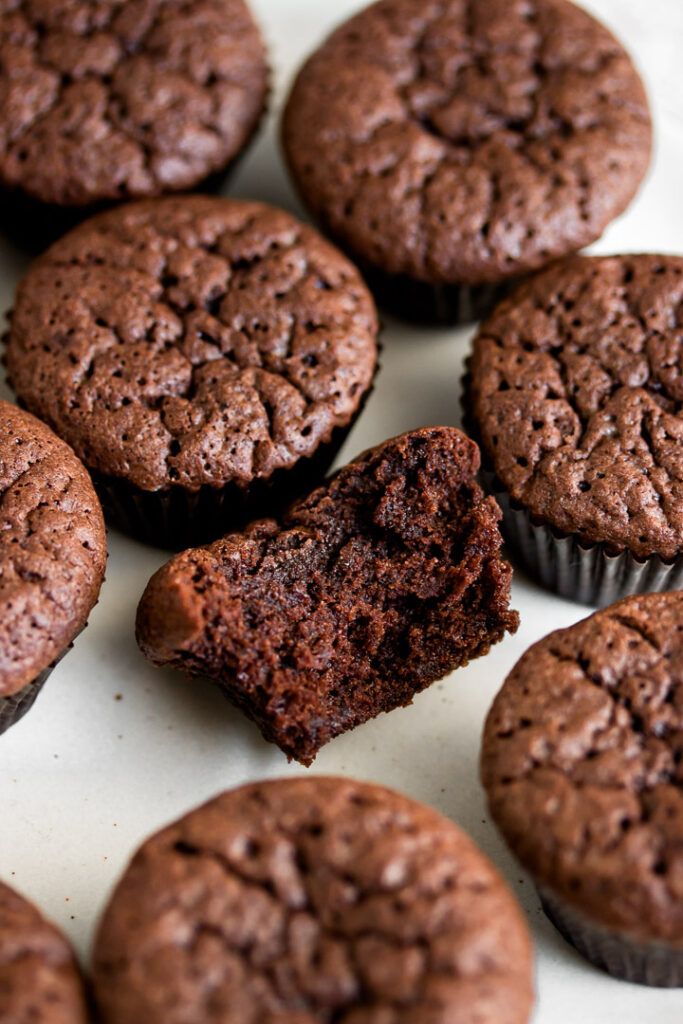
[(110, 100), (307, 901), (574, 394), (381, 581), (582, 760), (40, 982), (205, 358), (52, 556), (451, 146)]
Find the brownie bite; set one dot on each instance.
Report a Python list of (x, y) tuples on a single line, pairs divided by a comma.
[(110, 100), (574, 393), (305, 901), (205, 358), (452, 146), (40, 982), (582, 760), (380, 582), (52, 556)]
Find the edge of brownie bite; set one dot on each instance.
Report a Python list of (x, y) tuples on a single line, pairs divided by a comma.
[(378, 583)]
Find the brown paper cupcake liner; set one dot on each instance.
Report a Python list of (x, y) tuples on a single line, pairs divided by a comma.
[(423, 303), (644, 963), (176, 519), (582, 571), (15, 706), (33, 225)]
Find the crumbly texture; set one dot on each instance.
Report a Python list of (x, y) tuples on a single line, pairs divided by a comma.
[(466, 141), (52, 547), (39, 979), (312, 901), (193, 340), (576, 394), (582, 761), (113, 100), (368, 590)]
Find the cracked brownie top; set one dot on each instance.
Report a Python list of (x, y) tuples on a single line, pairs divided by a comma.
[(465, 141), (576, 393), (39, 977), (582, 760), (192, 340), (52, 547), (312, 901), (110, 100)]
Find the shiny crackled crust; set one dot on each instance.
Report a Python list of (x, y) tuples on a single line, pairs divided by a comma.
[(114, 100), (466, 141), (582, 760), (192, 341), (376, 584), (52, 547), (576, 393), (311, 901), (39, 977)]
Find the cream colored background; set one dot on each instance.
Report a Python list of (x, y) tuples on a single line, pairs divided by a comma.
[(86, 776)]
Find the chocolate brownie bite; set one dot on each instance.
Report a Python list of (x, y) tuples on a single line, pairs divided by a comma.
[(40, 982), (380, 582), (582, 762), (312, 900), (111, 101), (574, 393), (205, 358), (52, 556), (452, 146)]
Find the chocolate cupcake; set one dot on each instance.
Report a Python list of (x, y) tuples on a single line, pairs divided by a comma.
[(582, 761), (451, 147), (377, 584), (574, 393), (110, 101), (40, 982), (312, 900), (204, 357), (52, 556)]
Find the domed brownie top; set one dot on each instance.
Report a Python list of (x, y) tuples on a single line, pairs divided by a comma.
[(192, 340), (465, 141), (110, 100), (52, 547), (577, 396), (39, 977), (312, 899), (583, 764)]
